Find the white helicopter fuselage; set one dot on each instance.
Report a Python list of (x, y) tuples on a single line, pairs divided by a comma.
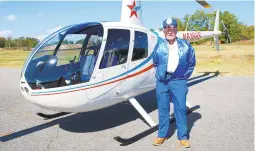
[(107, 86)]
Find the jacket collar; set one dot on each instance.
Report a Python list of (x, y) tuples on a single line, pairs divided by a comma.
[(179, 43)]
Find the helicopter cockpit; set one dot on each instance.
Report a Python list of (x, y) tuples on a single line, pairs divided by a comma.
[(68, 57)]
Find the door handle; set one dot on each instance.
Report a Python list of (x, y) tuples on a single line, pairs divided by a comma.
[(124, 66)]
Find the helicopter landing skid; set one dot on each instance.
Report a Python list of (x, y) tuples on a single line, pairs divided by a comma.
[(51, 116), (130, 140)]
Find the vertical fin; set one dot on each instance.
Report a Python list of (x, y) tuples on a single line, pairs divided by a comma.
[(216, 29), (217, 21), (131, 12)]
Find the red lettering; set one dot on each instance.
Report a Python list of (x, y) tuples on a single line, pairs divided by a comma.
[(191, 36), (184, 36), (196, 36), (188, 37), (199, 35)]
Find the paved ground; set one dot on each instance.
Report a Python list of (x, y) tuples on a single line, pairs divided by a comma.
[(224, 122)]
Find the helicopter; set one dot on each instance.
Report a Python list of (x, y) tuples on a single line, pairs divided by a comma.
[(94, 65)]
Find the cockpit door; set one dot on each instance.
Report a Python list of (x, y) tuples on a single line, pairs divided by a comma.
[(112, 65), (138, 60)]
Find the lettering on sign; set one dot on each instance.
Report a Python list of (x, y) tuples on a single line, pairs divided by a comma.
[(192, 36)]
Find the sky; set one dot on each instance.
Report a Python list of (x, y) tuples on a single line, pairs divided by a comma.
[(38, 19)]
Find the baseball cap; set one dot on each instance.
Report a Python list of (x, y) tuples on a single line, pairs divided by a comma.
[(171, 22)]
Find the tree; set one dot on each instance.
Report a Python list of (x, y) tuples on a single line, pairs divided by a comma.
[(233, 26), (247, 32), (250, 32), (8, 42), (180, 25), (32, 42), (65, 42), (198, 21), (70, 42), (2, 42), (79, 41), (185, 22), (19, 42)]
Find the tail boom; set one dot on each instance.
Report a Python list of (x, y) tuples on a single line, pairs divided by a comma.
[(197, 35)]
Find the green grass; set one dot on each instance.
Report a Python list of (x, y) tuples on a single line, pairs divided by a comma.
[(13, 58), (230, 60)]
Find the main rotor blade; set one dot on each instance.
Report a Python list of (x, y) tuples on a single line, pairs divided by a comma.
[(204, 3)]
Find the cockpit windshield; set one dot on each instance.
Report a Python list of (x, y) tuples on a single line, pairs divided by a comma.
[(65, 59)]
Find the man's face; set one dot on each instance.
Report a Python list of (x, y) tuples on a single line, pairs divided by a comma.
[(170, 33)]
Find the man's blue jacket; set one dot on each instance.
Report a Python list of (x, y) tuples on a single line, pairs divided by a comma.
[(187, 60)]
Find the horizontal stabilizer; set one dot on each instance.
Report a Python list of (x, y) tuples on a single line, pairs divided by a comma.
[(217, 21)]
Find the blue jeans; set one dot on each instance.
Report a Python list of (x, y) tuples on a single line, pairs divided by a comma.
[(177, 90)]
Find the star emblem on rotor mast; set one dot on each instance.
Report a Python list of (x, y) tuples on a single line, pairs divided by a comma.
[(133, 9)]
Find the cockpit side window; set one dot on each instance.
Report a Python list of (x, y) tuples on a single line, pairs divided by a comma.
[(116, 48), (89, 55), (140, 50)]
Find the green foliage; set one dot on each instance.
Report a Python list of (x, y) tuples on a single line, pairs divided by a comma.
[(21, 42), (2, 42), (199, 21), (247, 32), (8, 43), (232, 25), (79, 41), (32, 42), (185, 22), (65, 42), (70, 42), (180, 25)]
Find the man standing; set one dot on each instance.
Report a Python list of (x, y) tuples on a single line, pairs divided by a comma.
[(174, 60)]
